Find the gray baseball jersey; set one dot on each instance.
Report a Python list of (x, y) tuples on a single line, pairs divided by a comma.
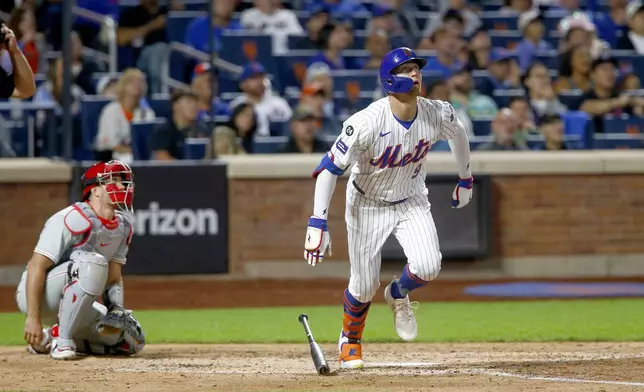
[(78, 227), (387, 192)]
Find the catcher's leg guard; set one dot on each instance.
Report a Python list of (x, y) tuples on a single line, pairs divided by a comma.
[(87, 277)]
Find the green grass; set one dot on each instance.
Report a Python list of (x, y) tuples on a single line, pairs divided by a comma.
[(576, 320)]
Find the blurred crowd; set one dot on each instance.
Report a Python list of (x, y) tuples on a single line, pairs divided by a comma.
[(472, 71)]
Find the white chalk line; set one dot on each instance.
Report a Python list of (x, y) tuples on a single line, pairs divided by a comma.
[(556, 379)]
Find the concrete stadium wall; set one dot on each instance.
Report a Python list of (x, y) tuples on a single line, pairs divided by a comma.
[(578, 213)]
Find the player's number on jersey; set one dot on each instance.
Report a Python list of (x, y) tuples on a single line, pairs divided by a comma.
[(417, 170)]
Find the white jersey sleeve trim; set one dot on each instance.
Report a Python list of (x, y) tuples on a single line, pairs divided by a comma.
[(47, 255)]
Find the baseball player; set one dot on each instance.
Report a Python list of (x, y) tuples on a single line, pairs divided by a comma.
[(78, 258), (386, 144)]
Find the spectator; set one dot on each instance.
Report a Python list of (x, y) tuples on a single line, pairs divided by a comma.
[(629, 81), (634, 38), (503, 73), (334, 38), (577, 29), (471, 18), (446, 61), (541, 95), (516, 7), (51, 91), (384, 18), (454, 20), (404, 13), (243, 124), (143, 28), (603, 98), (269, 108), (318, 18), (342, 9), (267, 17), (225, 143), (377, 44), (321, 73), (463, 96), (504, 129), (440, 90), (532, 27), (167, 142), (197, 33), (552, 129), (304, 128), (107, 85), (574, 71), (23, 24), (313, 97), (522, 111), (114, 125), (480, 48), (202, 85), (613, 24), (83, 68)]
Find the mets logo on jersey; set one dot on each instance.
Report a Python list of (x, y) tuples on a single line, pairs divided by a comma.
[(392, 156)]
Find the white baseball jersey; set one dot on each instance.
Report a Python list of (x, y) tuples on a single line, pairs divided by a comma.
[(389, 158), (386, 193), (78, 227)]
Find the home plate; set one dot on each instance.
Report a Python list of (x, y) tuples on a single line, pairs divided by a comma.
[(401, 364)]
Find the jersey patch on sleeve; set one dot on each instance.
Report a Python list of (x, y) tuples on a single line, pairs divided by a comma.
[(342, 146), (349, 130), (76, 222)]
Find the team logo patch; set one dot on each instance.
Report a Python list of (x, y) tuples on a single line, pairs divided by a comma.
[(407, 52), (349, 130)]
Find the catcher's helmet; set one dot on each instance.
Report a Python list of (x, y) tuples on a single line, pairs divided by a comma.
[(398, 84), (116, 177)]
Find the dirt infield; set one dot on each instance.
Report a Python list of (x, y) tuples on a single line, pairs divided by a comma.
[(181, 293), (558, 367)]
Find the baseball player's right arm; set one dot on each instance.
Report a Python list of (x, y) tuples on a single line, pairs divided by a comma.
[(54, 239), (346, 150)]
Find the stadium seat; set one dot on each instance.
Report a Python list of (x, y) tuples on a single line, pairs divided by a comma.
[(195, 148), (141, 133), (268, 145), (91, 107), (608, 141), (482, 127), (624, 124), (578, 128), (178, 22), (162, 105)]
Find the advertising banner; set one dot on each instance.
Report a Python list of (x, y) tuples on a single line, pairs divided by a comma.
[(180, 218), (462, 233)]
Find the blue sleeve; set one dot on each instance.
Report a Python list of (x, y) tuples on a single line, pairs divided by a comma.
[(327, 164)]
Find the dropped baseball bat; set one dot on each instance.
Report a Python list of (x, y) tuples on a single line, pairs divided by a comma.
[(316, 352)]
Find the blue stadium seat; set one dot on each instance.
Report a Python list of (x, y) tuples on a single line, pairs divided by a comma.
[(549, 59), (607, 141), (162, 105), (570, 98), (630, 62), (141, 133), (280, 128), (178, 22), (502, 97), (482, 127), (496, 21), (240, 48), (578, 128), (91, 107), (195, 148), (362, 80), (19, 132), (268, 145), (624, 124)]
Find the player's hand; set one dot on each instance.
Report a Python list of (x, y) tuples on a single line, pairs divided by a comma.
[(462, 193), (317, 242), (33, 331), (10, 43)]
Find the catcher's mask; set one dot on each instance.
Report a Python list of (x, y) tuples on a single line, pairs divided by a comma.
[(117, 180)]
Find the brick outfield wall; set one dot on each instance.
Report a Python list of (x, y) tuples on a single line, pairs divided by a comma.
[(544, 215), (532, 216)]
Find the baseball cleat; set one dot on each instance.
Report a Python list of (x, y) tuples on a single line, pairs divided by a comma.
[(44, 346), (63, 349), (350, 353), (404, 319)]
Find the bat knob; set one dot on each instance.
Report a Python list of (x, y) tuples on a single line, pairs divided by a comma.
[(302, 317), (324, 370)]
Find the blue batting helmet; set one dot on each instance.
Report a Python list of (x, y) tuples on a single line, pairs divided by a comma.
[(398, 84)]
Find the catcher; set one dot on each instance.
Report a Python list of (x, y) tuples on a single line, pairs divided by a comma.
[(78, 260)]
